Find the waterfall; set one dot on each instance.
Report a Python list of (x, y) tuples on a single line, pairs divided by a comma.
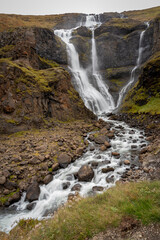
[(97, 98), (133, 72), (95, 94)]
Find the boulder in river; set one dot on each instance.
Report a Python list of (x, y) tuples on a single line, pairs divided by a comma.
[(85, 173), (48, 179), (33, 192)]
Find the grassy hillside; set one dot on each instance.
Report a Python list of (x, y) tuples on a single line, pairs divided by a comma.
[(143, 15), (10, 21), (82, 219)]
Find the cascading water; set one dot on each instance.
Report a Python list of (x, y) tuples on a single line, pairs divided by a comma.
[(98, 100), (133, 72)]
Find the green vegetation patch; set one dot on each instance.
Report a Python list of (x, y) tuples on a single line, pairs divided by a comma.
[(82, 219)]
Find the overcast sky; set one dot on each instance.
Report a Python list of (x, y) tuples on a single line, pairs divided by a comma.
[(43, 7)]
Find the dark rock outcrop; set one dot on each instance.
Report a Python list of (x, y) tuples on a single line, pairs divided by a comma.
[(33, 192), (85, 173)]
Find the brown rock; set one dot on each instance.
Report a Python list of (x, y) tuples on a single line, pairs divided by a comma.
[(76, 187), (116, 154), (100, 139), (97, 188), (63, 160), (110, 135), (55, 166), (2, 180), (126, 162), (48, 179), (103, 148), (85, 173), (79, 151), (33, 192), (106, 170), (107, 144)]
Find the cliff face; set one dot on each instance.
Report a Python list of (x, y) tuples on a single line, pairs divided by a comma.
[(32, 87), (145, 96)]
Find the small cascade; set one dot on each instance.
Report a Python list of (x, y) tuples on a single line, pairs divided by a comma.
[(95, 94), (133, 72)]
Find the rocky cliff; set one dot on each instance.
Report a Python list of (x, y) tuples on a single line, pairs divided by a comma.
[(34, 81), (33, 87)]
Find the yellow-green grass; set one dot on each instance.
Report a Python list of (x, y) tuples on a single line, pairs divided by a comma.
[(144, 15), (10, 21), (82, 219)]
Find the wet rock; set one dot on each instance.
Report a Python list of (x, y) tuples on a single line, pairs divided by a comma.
[(110, 135), (76, 187), (100, 139), (133, 146), (48, 179), (97, 189), (14, 198), (126, 162), (85, 173), (65, 185), (108, 169), (2, 180), (94, 164), (144, 150), (55, 166), (63, 160), (92, 148), (116, 154), (30, 206), (110, 179), (33, 192), (103, 148), (107, 144)]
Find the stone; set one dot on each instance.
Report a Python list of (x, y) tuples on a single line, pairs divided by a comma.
[(79, 151), (110, 135), (103, 148), (94, 164), (116, 154), (33, 192), (85, 173), (108, 169), (2, 180), (107, 144), (55, 166), (30, 206), (64, 160), (126, 162), (110, 179), (14, 198), (92, 148), (100, 139), (48, 179), (66, 185), (76, 187), (10, 185), (97, 189)]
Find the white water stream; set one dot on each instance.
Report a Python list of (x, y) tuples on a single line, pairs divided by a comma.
[(127, 142), (133, 72)]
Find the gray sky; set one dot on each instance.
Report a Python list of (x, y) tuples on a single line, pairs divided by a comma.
[(44, 7)]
